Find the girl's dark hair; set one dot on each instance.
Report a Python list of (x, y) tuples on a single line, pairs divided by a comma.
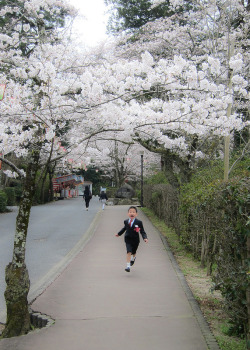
[(132, 207)]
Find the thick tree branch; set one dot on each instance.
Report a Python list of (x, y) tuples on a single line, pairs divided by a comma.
[(12, 166)]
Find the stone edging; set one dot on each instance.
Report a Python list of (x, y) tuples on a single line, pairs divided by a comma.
[(39, 320)]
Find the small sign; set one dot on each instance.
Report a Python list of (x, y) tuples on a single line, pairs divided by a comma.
[(2, 89)]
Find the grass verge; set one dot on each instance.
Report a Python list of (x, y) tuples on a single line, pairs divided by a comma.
[(211, 303)]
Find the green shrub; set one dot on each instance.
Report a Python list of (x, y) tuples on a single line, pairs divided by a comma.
[(17, 185), (159, 178), (231, 276), (231, 344), (41, 195), (18, 192), (3, 201), (214, 219), (111, 191), (11, 196)]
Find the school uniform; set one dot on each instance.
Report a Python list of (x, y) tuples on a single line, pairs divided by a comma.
[(132, 234), (87, 195), (103, 198)]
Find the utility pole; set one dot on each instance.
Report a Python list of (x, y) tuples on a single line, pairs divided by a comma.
[(229, 111), (142, 179)]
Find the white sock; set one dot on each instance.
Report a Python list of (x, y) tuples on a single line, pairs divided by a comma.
[(128, 265), (132, 258)]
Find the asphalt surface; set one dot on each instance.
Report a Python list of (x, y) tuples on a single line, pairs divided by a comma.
[(53, 234), (96, 305)]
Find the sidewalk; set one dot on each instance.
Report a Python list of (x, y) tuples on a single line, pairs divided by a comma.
[(96, 305)]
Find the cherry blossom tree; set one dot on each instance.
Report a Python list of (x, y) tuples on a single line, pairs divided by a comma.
[(173, 103), (37, 66), (56, 93), (118, 159), (211, 37)]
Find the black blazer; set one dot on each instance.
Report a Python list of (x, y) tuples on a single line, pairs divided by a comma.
[(87, 195), (130, 232)]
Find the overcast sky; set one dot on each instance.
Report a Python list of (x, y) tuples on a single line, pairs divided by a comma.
[(92, 29)]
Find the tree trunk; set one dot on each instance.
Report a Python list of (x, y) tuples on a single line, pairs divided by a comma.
[(211, 257), (42, 194), (51, 174), (203, 249), (17, 277), (229, 111), (167, 168), (16, 293)]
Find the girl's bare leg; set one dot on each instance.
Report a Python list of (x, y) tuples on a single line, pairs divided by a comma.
[(128, 257)]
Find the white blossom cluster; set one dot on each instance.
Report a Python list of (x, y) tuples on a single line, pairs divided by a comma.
[(176, 89)]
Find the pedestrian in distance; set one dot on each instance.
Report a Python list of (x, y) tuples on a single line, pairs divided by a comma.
[(132, 228), (87, 195), (103, 198)]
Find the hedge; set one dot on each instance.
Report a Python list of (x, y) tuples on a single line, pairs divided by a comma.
[(214, 226), (212, 220)]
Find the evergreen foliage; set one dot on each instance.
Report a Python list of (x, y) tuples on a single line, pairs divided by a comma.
[(158, 178), (93, 175), (132, 14), (42, 191)]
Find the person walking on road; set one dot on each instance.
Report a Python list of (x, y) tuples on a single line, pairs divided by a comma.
[(132, 228), (87, 195), (103, 198)]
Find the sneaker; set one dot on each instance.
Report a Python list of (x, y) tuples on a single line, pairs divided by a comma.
[(127, 269), (132, 262)]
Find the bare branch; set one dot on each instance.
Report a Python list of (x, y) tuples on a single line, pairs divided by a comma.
[(12, 166)]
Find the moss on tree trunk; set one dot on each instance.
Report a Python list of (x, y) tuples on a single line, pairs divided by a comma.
[(16, 274), (16, 293)]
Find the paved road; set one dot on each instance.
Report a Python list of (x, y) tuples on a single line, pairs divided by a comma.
[(53, 234)]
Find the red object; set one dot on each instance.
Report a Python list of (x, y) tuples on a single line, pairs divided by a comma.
[(56, 186)]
